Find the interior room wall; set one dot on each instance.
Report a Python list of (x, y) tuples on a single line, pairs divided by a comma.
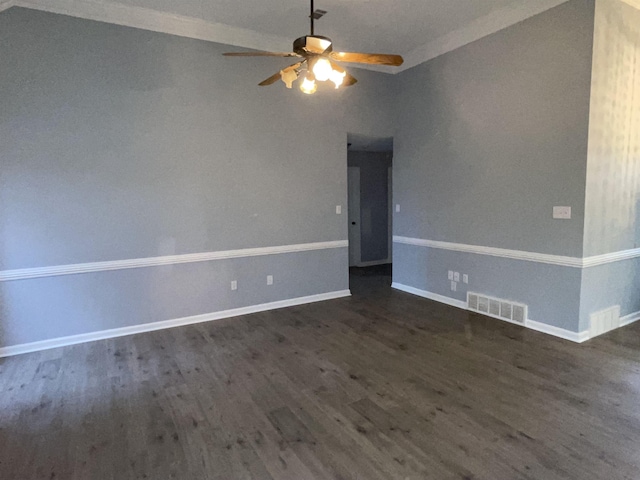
[(490, 138), (122, 144), (612, 219), (374, 203)]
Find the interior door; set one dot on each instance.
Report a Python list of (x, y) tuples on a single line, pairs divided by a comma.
[(353, 181)]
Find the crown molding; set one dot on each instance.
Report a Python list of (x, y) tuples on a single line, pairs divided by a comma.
[(190, 27), (156, 21), (498, 20)]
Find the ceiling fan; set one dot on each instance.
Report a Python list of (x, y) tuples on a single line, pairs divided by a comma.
[(318, 60)]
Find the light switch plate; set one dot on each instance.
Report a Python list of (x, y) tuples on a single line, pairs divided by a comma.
[(269, 279), (398, 208), (465, 278), (234, 285), (339, 209), (456, 276), (454, 286), (450, 275), (563, 213)]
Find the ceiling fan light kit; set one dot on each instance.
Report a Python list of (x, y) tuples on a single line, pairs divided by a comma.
[(318, 60)]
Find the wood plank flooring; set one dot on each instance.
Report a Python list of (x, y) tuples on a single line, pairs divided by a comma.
[(382, 385)]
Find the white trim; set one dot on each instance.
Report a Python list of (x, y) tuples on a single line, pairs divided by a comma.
[(613, 257), (429, 295), (477, 29), (537, 326), (178, 322), (573, 262), (629, 319), (156, 21), (558, 332), (494, 252), (54, 271), (6, 5)]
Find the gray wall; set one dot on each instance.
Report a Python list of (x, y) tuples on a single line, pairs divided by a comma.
[(491, 136), (612, 222), (374, 203), (119, 143), (613, 168)]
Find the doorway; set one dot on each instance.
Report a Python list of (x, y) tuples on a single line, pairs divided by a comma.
[(370, 215)]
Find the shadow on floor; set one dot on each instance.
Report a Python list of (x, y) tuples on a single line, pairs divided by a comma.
[(370, 280)]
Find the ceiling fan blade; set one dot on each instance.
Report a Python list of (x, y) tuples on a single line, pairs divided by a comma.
[(260, 54), (370, 58), (276, 76)]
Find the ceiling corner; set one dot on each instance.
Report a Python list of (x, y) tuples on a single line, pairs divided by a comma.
[(498, 20), (154, 20), (6, 5)]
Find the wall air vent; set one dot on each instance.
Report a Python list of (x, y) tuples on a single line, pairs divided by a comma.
[(472, 301), (604, 321), (497, 308)]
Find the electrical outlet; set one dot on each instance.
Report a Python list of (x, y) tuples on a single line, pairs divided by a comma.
[(450, 275), (269, 279), (465, 278), (562, 213), (338, 209), (234, 284), (398, 208), (454, 286), (456, 276)]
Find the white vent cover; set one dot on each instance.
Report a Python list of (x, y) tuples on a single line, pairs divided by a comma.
[(497, 308), (604, 321), (494, 307), (472, 300)]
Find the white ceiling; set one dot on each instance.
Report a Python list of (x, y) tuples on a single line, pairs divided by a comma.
[(417, 29)]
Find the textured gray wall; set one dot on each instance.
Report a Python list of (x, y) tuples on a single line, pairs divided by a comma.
[(613, 170), (374, 203), (491, 136), (612, 220), (119, 143)]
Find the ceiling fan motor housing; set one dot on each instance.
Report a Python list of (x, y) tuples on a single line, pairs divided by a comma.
[(314, 44)]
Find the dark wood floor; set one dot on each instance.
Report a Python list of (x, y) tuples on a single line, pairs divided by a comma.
[(382, 385)]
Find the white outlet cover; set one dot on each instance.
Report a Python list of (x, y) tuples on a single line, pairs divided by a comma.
[(465, 278), (234, 285), (398, 208), (456, 276), (269, 279), (450, 275), (562, 213), (338, 209)]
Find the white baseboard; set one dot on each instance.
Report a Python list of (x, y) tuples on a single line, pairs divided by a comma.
[(431, 296), (178, 322), (537, 326), (629, 319), (558, 332)]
